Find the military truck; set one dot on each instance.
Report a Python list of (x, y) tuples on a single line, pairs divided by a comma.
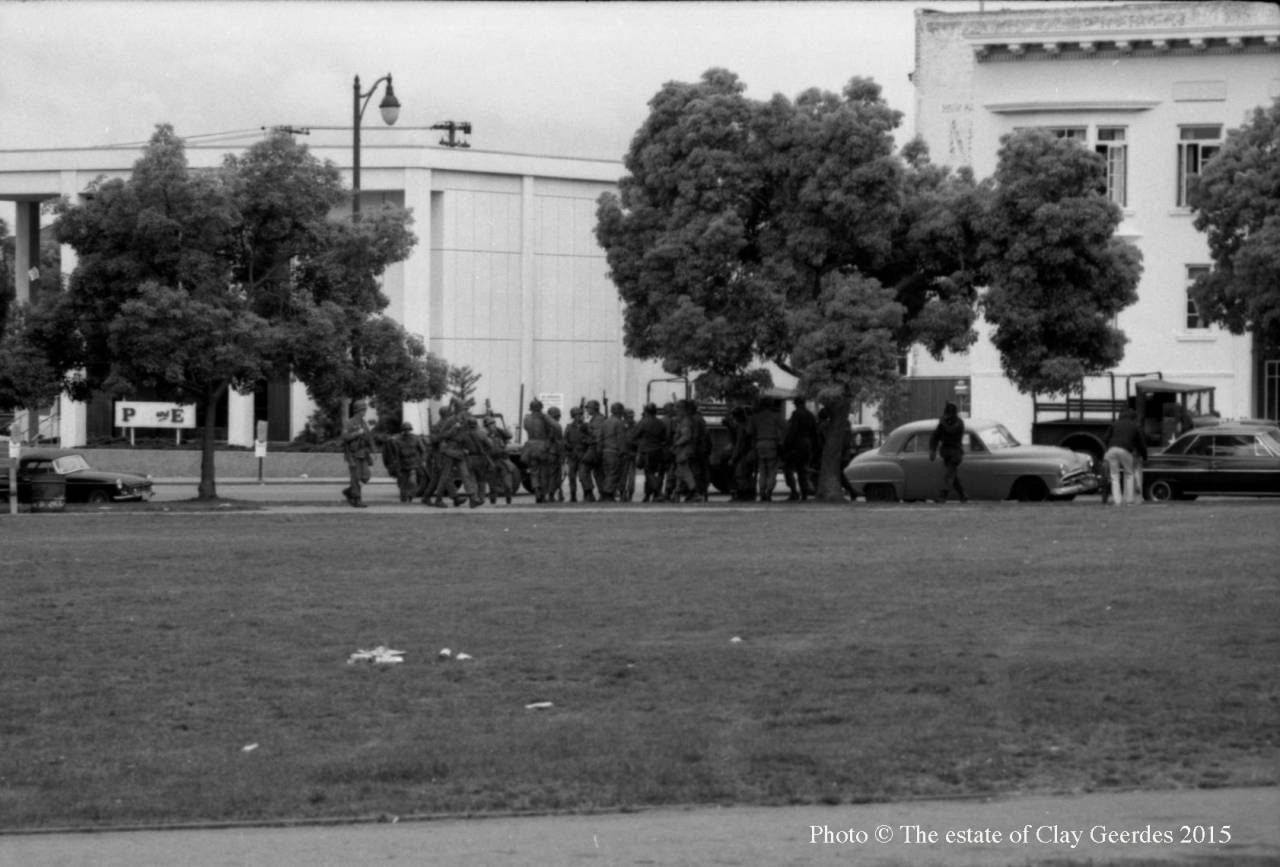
[(1080, 420)]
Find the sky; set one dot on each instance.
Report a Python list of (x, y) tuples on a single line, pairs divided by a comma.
[(569, 79)]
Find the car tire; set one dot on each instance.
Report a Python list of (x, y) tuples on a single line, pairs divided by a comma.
[(1161, 491), (98, 497), (1030, 490), (881, 493)]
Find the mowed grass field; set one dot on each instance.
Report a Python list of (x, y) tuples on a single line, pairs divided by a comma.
[(182, 667)]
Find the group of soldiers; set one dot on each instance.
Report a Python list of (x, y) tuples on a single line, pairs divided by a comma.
[(468, 460)]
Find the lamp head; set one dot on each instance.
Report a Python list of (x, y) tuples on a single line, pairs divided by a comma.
[(390, 106)]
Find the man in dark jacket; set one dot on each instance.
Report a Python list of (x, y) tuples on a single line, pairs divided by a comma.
[(948, 440), (649, 437), (1126, 451), (767, 431), (799, 450)]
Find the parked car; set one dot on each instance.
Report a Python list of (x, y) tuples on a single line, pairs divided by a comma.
[(1234, 459), (84, 484), (996, 467)]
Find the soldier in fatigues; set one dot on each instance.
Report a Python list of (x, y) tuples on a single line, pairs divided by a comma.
[(536, 451), (576, 436), (452, 437), (557, 454), (357, 449), (410, 454)]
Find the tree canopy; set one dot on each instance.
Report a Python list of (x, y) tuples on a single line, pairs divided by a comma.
[(190, 283), (1236, 200), (789, 232), (1056, 274), (785, 232)]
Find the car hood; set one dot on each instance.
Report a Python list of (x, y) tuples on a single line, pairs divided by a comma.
[(95, 475)]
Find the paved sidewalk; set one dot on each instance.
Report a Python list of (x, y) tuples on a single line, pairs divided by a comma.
[(1089, 829)]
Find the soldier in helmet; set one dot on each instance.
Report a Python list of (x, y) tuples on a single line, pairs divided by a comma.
[(536, 451), (613, 444), (357, 450), (576, 435), (453, 441), (557, 455), (593, 460), (410, 454)]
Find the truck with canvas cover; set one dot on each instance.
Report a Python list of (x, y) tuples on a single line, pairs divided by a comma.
[(1081, 419)]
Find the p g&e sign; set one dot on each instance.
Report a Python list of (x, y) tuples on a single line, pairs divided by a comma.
[(173, 416)]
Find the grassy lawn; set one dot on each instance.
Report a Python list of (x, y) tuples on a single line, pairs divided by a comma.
[(186, 666)]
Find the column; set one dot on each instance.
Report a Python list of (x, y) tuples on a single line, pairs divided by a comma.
[(73, 416), (240, 420), (417, 276), (528, 279)]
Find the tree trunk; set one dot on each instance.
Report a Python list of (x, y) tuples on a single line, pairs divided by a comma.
[(829, 488), (208, 489)]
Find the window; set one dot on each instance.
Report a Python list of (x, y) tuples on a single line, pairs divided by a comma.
[(1196, 146), (1113, 148), (1111, 143), (1195, 322)]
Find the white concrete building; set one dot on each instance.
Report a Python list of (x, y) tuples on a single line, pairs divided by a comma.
[(1153, 88), (507, 277)]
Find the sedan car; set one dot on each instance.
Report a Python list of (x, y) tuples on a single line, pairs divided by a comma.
[(1234, 459), (84, 484), (996, 467)]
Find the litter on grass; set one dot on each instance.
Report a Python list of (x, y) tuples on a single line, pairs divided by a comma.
[(538, 705), (380, 655)]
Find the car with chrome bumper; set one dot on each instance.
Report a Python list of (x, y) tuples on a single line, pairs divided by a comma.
[(996, 466)]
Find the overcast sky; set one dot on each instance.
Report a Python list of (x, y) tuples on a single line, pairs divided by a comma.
[(571, 79)]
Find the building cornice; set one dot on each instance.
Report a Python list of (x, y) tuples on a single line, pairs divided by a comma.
[(1098, 105), (1125, 42)]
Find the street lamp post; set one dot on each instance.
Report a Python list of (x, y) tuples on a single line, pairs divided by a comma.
[(390, 108)]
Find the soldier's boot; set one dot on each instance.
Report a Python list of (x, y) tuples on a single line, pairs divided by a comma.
[(438, 503), (358, 503), (477, 502), (346, 494), (573, 496), (588, 497)]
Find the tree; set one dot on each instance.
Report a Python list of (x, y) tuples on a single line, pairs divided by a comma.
[(1056, 273), (191, 283), (1236, 201), (748, 232)]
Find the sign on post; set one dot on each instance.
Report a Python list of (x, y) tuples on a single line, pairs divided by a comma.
[(134, 414)]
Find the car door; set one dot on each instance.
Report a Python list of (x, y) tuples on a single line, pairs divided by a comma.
[(921, 478), (1244, 465), (1192, 470)]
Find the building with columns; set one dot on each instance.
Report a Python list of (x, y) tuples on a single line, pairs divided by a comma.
[(506, 278), (1153, 88)]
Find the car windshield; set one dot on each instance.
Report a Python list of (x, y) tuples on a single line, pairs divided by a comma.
[(70, 464), (997, 437)]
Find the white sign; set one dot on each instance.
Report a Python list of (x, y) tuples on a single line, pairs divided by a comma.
[(549, 400), (15, 449), (259, 448), (174, 416)]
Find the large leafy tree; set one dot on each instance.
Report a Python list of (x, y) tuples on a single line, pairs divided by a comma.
[(190, 283), (786, 232), (1056, 273), (1236, 201)]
